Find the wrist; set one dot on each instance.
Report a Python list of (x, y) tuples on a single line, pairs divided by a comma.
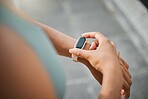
[(110, 67), (112, 84), (112, 72)]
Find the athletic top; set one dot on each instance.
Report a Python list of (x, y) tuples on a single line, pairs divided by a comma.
[(36, 39)]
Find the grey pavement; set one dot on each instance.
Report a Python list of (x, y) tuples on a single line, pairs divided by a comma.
[(74, 17)]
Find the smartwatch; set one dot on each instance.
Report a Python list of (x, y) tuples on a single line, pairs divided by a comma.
[(80, 43)]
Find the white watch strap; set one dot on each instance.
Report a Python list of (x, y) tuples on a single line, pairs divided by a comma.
[(75, 58)]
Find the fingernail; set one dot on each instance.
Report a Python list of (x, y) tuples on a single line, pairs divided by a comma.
[(71, 50), (90, 47)]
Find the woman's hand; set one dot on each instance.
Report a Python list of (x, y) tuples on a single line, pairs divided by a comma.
[(105, 58), (124, 67), (100, 58)]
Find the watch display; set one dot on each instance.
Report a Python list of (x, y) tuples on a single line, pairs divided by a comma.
[(81, 42)]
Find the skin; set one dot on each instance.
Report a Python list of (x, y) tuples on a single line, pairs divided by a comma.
[(106, 60), (62, 47), (124, 67), (22, 74)]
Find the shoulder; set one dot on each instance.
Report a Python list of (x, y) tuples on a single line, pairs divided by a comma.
[(10, 42), (19, 64)]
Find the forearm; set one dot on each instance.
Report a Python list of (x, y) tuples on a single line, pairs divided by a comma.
[(111, 85), (61, 41)]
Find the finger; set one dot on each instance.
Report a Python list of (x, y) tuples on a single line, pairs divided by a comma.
[(96, 35), (80, 53), (122, 92), (113, 44), (126, 87), (118, 53), (125, 68), (126, 77), (127, 95), (126, 90), (97, 43), (128, 73), (93, 46)]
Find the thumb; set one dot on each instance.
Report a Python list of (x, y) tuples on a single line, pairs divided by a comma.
[(80, 53)]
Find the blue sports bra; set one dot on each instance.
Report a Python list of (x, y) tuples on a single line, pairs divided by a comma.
[(42, 46)]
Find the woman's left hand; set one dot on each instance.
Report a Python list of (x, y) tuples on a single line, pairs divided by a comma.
[(98, 75), (124, 67)]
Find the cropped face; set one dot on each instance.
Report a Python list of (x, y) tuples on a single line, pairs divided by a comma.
[(81, 42)]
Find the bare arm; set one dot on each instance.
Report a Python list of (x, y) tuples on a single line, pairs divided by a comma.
[(21, 72), (112, 84), (105, 60), (62, 44), (61, 41)]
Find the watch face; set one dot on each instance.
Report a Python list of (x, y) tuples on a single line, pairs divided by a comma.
[(80, 42)]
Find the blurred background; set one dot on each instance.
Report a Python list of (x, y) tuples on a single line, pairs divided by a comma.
[(125, 22)]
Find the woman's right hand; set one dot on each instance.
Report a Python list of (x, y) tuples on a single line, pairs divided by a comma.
[(104, 59)]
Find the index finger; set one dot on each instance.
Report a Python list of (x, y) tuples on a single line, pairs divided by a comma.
[(95, 35)]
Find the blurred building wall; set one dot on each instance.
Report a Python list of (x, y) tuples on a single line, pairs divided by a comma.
[(133, 16), (145, 2)]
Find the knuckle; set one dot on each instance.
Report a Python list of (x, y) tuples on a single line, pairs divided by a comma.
[(127, 66), (107, 40), (126, 88), (130, 76), (131, 82), (113, 43), (96, 33)]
